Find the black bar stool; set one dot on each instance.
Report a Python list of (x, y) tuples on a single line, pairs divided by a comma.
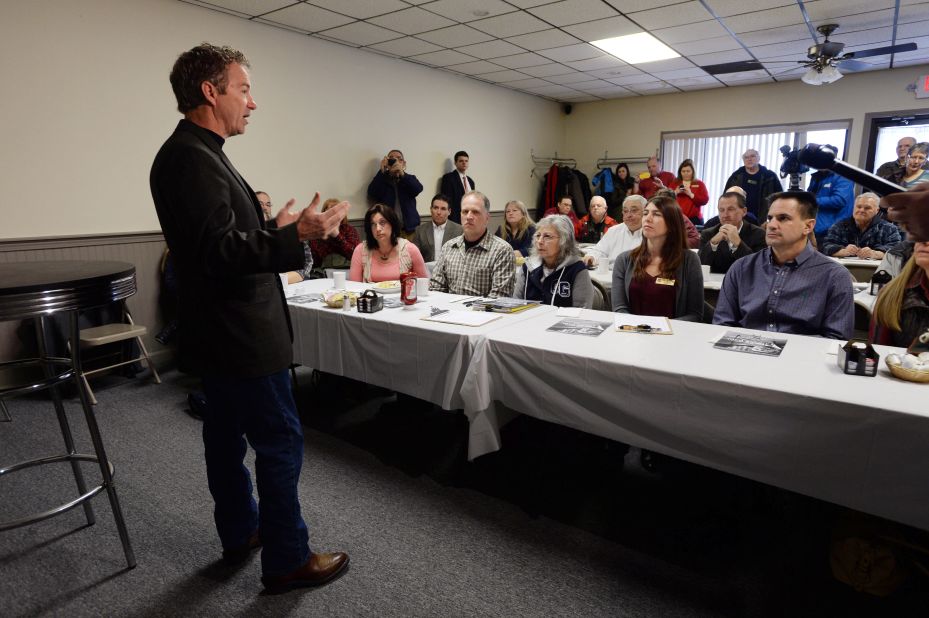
[(38, 290)]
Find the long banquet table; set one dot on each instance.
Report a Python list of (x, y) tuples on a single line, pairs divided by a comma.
[(794, 421)]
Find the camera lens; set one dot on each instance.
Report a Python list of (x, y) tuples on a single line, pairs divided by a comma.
[(391, 161)]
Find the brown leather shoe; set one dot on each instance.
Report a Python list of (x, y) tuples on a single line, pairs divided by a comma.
[(237, 555), (320, 569)]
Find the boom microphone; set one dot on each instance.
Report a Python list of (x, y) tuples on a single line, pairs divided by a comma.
[(824, 158)]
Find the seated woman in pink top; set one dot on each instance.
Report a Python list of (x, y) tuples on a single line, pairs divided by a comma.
[(383, 256)]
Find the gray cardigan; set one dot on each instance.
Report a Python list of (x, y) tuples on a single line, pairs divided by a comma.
[(688, 287)]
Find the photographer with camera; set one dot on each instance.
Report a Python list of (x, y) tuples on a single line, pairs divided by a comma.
[(393, 186)]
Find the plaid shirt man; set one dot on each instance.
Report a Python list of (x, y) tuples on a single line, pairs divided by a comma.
[(485, 269), (880, 235)]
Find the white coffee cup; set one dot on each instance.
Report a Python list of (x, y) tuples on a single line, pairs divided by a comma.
[(422, 287), (706, 270), (338, 280)]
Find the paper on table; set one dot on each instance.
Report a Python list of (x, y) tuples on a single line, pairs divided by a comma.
[(569, 312), (464, 318), (659, 324)]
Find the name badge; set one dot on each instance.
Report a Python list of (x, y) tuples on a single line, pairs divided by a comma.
[(663, 281)]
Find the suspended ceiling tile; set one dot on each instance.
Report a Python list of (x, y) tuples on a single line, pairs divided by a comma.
[(491, 49), (784, 34), (824, 9), (603, 28), (853, 23), (706, 46), (249, 7), (544, 39), (528, 4), (696, 81), (406, 46), (626, 80), (520, 61), (876, 37), (666, 65), (592, 83), (912, 29), (631, 6), (572, 78), (468, 10), (676, 15), (532, 82), (475, 68), (455, 36), (733, 55), (617, 71), (653, 88), (725, 8), (361, 9), (762, 20), (744, 76), (443, 58), (548, 70), (670, 76), (569, 12), (412, 21), (501, 77), (690, 32), (554, 90), (916, 12), (361, 33), (795, 49), (307, 18), (571, 53), (603, 62), (511, 24)]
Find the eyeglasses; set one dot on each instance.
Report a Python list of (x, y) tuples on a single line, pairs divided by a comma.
[(264, 203), (545, 237)]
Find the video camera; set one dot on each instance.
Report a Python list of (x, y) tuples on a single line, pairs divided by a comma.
[(799, 161)]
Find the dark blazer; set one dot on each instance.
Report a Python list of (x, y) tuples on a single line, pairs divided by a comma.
[(381, 191), (425, 240), (720, 260), (453, 189), (233, 320)]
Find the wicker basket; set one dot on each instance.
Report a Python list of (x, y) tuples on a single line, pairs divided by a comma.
[(911, 375)]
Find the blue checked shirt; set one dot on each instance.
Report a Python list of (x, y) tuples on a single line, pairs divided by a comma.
[(880, 235), (811, 295)]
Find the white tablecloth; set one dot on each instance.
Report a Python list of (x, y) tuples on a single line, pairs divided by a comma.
[(795, 421)]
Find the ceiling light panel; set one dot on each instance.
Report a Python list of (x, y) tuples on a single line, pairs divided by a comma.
[(603, 28), (636, 48)]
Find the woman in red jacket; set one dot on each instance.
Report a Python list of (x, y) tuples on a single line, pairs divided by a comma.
[(691, 193)]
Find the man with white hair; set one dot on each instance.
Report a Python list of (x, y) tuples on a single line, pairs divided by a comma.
[(758, 181), (475, 263), (619, 238), (864, 234), (595, 223), (893, 169)]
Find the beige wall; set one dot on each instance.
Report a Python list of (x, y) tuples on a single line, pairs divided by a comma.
[(87, 103), (633, 126)]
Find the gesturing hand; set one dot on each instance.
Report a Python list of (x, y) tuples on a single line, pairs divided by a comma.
[(313, 225), (284, 216), (911, 209)]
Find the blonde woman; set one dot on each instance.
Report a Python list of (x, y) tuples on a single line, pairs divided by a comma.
[(901, 312), (517, 228)]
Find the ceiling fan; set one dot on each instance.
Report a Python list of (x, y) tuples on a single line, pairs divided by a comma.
[(823, 59)]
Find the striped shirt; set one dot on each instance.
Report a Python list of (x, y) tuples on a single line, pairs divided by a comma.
[(811, 295), (486, 269)]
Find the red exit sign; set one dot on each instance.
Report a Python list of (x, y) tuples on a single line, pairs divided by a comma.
[(922, 87)]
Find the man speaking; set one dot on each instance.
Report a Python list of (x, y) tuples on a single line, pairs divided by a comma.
[(234, 327)]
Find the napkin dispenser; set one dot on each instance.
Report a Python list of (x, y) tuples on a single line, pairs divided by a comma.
[(858, 358), (879, 280), (370, 302)]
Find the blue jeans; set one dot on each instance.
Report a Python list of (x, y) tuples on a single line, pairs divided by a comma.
[(263, 411)]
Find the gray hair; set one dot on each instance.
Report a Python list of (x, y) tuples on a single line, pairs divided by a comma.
[(480, 196), (638, 199), (599, 199), (869, 196), (565, 229)]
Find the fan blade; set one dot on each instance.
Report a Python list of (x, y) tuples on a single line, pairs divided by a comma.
[(732, 67), (880, 51), (850, 66)]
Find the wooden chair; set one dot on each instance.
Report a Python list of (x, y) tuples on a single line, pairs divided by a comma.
[(112, 333)]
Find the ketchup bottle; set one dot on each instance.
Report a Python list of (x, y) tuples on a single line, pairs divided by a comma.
[(408, 288)]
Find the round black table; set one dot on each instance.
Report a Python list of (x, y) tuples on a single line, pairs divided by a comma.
[(38, 290)]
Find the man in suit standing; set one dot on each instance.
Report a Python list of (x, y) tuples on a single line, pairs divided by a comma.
[(456, 183), (234, 327), (431, 235), (734, 237)]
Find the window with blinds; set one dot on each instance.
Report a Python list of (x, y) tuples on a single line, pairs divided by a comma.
[(718, 153)]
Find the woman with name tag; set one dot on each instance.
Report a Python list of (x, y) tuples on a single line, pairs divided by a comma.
[(660, 277), (384, 256), (554, 273)]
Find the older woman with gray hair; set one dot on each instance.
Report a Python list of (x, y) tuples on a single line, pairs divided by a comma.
[(554, 273)]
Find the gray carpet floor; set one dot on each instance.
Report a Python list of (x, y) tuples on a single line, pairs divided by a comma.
[(488, 542)]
